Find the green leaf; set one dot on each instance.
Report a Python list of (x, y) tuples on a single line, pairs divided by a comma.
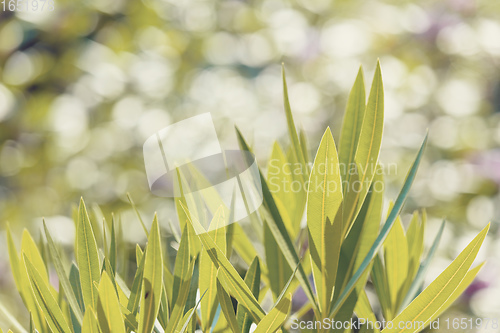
[(276, 317), (381, 287), (189, 315), (351, 126), (135, 292), (418, 281), (280, 234), (113, 250), (430, 301), (134, 207), (178, 307), (227, 308), (292, 131), (63, 278), (280, 178), (368, 149), (50, 309), (383, 233), (90, 322), (152, 280), (252, 280), (275, 258), (364, 310), (324, 229), (208, 270), (30, 249), (14, 260), (181, 264), (357, 244), (74, 280), (227, 275), (396, 263), (87, 257), (466, 281), (109, 314)]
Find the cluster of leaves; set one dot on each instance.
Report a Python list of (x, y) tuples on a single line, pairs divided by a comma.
[(343, 247)]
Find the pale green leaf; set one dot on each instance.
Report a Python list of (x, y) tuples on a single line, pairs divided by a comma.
[(382, 235), (87, 257), (422, 309), (227, 308), (324, 229), (252, 280), (368, 149), (52, 313), (208, 270), (63, 278), (152, 280), (109, 314), (276, 317)]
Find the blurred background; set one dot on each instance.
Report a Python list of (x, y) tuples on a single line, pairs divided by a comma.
[(83, 86)]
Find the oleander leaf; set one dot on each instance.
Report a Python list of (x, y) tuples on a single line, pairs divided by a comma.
[(368, 149), (466, 281), (51, 311), (90, 324), (208, 270), (188, 316), (280, 234), (423, 308), (396, 263), (182, 261), (227, 275), (351, 126), (152, 280), (227, 308), (87, 257), (324, 228), (109, 315), (63, 278), (135, 291), (276, 317), (252, 280), (14, 260), (292, 131), (418, 280), (178, 307), (383, 233)]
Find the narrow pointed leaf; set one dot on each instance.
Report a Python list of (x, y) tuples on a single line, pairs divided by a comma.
[(252, 280), (87, 257), (227, 308), (152, 280), (324, 229), (63, 278), (227, 275), (208, 271), (280, 234), (383, 233), (422, 309), (368, 149), (50, 309), (276, 317), (351, 125), (419, 277), (108, 308)]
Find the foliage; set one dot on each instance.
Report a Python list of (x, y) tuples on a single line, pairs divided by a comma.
[(332, 259)]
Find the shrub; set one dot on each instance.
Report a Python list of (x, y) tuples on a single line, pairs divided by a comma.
[(332, 259)]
